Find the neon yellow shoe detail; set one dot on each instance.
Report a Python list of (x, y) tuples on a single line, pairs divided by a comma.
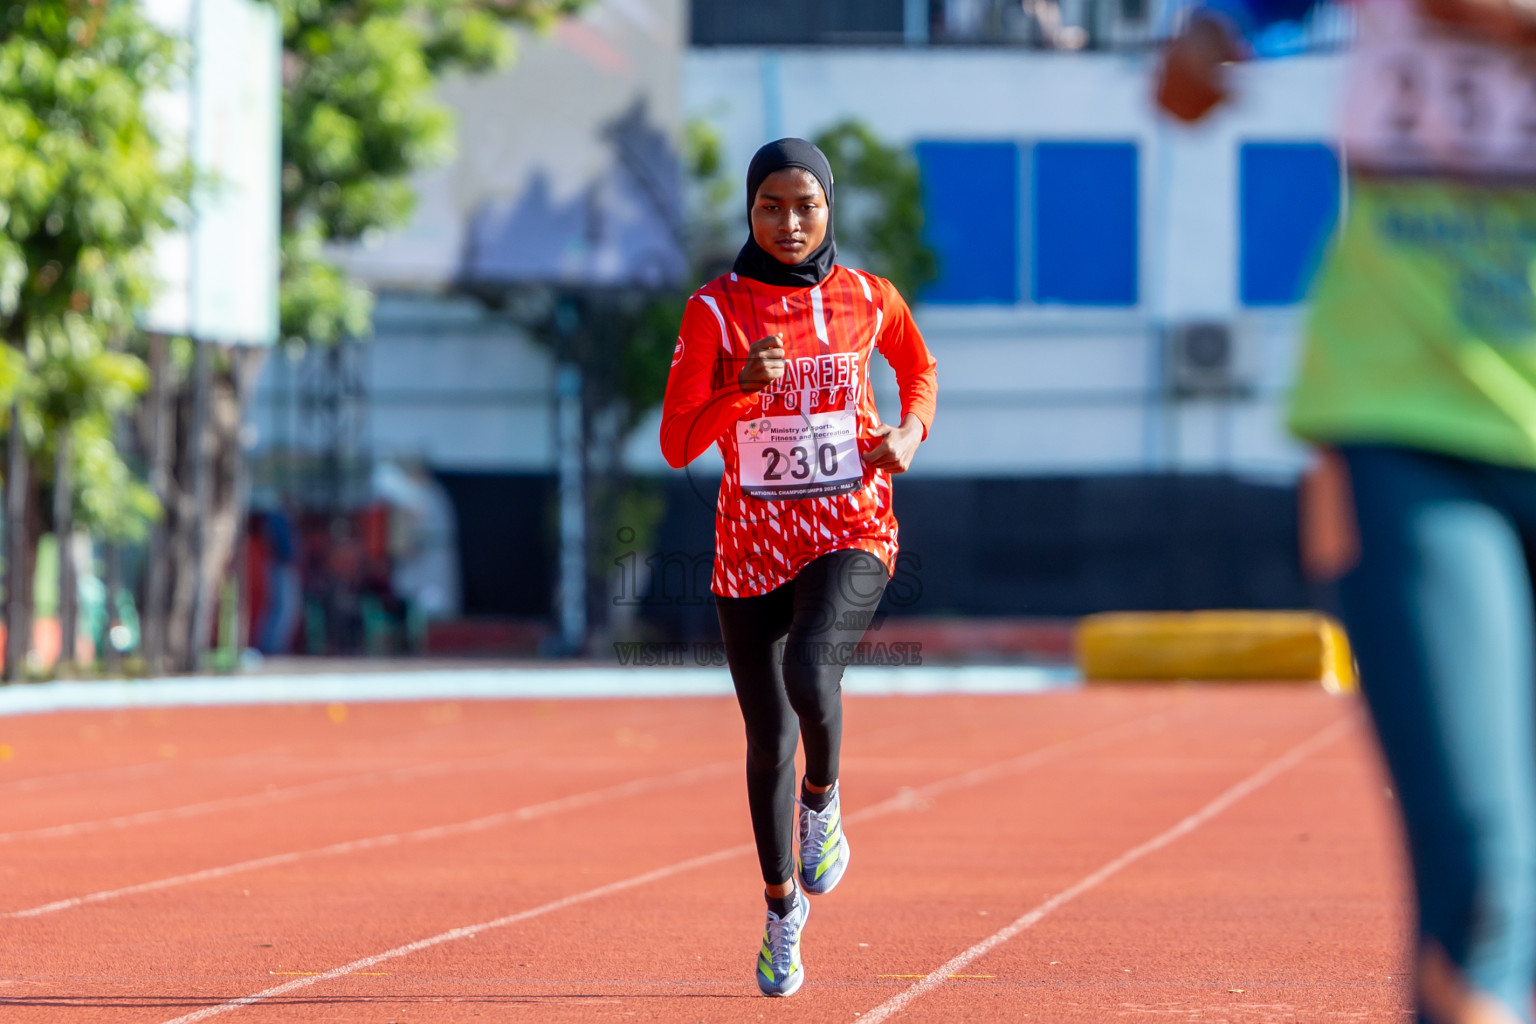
[(824, 851), (779, 971)]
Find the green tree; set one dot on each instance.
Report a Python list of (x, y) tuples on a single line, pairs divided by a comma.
[(359, 117), (880, 208), (649, 332), (83, 189)]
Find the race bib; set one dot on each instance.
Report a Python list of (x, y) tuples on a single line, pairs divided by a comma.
[(782, 458), (1421, 100)]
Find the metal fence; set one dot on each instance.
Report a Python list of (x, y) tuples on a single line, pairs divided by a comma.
[(1114, 25)]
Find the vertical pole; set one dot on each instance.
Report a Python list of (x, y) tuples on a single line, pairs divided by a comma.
[(196, 450), (16, 638), (113, 556), (154, 617), (282, 404), (242, 484), (1161, 426), (572, 593), (773, 95), (915, 22), (197, 444), (63, 532)]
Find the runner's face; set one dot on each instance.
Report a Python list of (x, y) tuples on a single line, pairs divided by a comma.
[(789, 215)]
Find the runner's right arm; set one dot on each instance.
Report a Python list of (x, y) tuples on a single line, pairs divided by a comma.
[(703, 396)]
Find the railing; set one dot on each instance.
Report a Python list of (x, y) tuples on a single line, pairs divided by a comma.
[(1115, 25)]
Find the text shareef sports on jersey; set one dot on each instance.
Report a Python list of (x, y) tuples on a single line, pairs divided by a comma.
[(833, 372)]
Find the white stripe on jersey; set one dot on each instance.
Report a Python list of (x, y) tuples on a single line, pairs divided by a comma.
[(874, 339), (725, 341), (816, 316)]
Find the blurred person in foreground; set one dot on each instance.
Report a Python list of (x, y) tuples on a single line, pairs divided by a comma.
[(772, 366), (1418, 384)]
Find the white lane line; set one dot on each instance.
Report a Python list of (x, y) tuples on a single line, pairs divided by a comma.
[(277, 795), (129, 773), (117, 772), (907, 800), (916, 798), (125, 773), (468, 932), (1257, 780), (570, 803)]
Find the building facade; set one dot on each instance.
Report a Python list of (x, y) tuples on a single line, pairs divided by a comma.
[(1116, 317)]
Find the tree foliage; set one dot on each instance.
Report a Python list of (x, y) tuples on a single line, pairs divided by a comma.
[(83, 189), (650, 334), (880, 210), (359, 116)]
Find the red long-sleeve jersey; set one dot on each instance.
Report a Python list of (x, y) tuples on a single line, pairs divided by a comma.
[(794, 487)]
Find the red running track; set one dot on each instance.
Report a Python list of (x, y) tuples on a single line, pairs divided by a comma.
[(1177, 853)]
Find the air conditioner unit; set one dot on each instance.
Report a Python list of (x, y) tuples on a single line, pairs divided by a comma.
[(1201, 361)]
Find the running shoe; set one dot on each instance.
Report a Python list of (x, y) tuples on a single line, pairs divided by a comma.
[(779, 972), (823, 847)]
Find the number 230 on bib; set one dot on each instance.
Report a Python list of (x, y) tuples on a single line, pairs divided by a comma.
[(782, 458)]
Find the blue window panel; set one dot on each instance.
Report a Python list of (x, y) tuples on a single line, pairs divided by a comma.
[(1085, 218), (1288, 203), (971, 220)]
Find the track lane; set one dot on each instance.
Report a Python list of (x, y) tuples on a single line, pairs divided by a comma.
[(304, 910), (1291, 906), (960, 965), (568, 752), (906, 799), (922, 885), (323, 787), (901, 799), (592, 960), (81, 753), (363, 740)]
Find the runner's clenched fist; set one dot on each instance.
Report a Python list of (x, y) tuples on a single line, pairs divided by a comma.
[(765, 363)]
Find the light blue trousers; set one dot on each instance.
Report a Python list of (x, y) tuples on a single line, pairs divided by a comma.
[(1440, 612)]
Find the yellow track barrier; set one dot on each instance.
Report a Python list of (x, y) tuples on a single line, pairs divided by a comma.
[(1215, 645)]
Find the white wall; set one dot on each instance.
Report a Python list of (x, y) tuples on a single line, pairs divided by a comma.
[(1024, 389), (1027, 389)]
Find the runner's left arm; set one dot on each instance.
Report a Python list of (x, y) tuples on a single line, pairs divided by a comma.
[(917, 375)]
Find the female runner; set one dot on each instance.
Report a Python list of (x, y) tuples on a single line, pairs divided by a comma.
[(1420, 382), (772, 365)]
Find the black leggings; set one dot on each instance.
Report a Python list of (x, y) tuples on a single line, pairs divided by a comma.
[(787, 650)]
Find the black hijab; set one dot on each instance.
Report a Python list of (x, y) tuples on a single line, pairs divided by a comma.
[(755, 262)]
